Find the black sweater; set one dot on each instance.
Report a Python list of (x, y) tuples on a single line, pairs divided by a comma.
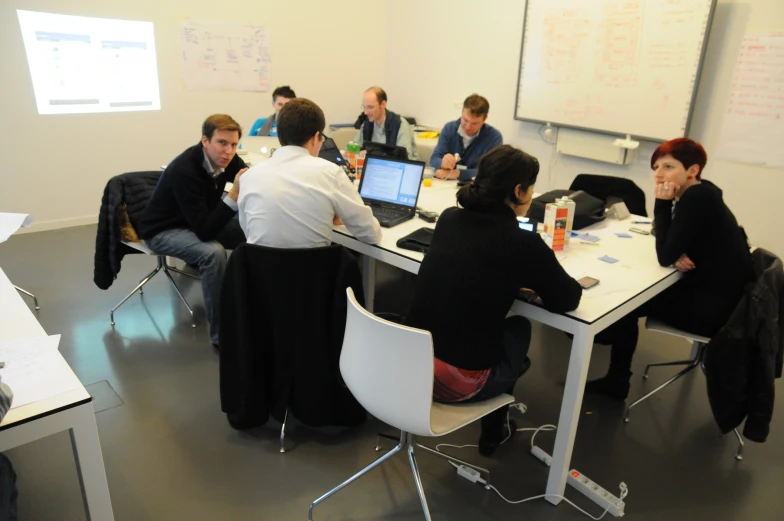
[(470, 277), (187, 196), (705, 229)]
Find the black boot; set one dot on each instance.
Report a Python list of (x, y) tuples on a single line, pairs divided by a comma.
[(495, 431), (615, 385)]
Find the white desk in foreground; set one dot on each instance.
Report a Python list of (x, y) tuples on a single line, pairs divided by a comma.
[(624, 286), (70, 411)]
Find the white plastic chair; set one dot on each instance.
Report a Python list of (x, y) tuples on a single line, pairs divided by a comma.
[(699, 343), (142, 247), (389, 370)]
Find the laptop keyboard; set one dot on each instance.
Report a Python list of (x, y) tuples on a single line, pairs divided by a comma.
[(386, 213)]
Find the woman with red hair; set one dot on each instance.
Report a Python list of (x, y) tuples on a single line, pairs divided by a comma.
[(697, 234)]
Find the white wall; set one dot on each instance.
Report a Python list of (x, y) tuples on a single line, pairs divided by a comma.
[(443, 50), (56, 166)]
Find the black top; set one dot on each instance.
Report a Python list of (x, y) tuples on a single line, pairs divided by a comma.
[(704, 228), (469, 279), (187, 196)]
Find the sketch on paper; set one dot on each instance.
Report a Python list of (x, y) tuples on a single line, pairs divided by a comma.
[(225, 56)]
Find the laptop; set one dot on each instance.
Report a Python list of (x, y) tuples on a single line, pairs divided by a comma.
[(331, 152), (391, 188)]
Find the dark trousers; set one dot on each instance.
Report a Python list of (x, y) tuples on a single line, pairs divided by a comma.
[(503, 377), (678, 307), (8, 492)]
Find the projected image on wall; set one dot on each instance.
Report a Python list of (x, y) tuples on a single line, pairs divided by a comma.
[(81, 64)]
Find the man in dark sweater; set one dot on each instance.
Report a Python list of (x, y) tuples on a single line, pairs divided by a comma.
[(186, 217), (469, 137)]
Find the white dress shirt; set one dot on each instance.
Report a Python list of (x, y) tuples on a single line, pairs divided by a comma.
[(290, 200)]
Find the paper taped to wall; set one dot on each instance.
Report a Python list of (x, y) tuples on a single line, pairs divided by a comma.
[(754, 119), (225, 56)]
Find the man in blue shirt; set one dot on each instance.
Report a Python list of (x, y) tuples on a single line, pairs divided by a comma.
[(469, 137), (268, 126)]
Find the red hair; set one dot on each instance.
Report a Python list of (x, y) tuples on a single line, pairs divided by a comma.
[(685, 150)]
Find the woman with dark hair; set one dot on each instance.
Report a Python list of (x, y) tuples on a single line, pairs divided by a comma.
[(697, 234), (478, 261)]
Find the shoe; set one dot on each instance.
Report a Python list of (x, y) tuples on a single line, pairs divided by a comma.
[(615, 387), (487, 445)]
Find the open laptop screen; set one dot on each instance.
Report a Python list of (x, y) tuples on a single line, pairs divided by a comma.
[(391, 180)]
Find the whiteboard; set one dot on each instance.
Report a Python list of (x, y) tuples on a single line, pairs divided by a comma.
[(620, 67)]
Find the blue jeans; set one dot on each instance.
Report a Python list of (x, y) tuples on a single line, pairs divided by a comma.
[(209, 256), (503, 377)]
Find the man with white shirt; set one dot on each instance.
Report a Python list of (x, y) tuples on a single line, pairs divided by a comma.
[(293, 199)]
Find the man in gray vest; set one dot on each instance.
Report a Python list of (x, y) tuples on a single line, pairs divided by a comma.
[(280, 97), (384, 126)]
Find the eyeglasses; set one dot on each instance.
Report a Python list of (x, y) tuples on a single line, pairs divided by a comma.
[(368, 107), (322, 137)]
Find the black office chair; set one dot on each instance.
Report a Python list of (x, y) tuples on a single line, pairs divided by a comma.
[(283, 316)]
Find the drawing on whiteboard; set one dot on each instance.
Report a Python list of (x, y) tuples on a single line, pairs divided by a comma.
[(225, 56), (630, 67), (564, 32), (620, 49)]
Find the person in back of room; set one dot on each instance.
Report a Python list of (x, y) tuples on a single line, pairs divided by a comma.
[(293, 199), (269, 126), (479, 259), (470, 137), (697, 234), (384, 126), (188, 216)]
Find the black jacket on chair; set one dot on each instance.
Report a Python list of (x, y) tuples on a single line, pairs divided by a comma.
[(283, 316), (134, 189), (608, 187), (745, 356)]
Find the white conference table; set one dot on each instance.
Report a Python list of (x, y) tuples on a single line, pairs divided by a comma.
[(70, 411), (624, 286)]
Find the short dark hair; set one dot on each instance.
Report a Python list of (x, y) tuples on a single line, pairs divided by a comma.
[(219, 122), (298, 121), (477, 105), (685, 150), (284, 91), (379, 92), (500, 170)]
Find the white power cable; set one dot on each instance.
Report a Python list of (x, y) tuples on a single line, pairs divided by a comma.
[(474, 476)]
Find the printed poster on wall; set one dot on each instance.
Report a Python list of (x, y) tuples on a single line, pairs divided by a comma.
[(754, 120), (225, 56)]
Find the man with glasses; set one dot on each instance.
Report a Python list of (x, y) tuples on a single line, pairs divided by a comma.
[(384, 126), (294, 199)]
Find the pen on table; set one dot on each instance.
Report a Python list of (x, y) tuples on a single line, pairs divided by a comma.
[(590, 243), (641, 222)]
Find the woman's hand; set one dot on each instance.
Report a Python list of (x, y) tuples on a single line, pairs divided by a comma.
[(684, 264), (666, 191)]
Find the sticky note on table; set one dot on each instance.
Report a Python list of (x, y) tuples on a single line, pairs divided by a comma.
[(608, 259), (588, 237), (623, 235)]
